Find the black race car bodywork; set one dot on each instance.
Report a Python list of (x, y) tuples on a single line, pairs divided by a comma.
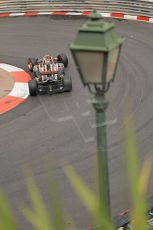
[(49, 75), (122, 221)]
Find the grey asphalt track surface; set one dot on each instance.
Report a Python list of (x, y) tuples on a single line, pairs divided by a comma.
[(61, 128)]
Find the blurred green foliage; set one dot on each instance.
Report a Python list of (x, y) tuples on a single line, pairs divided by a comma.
[(41, 219)]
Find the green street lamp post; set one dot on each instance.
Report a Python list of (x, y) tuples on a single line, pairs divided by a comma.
[(96, 52)]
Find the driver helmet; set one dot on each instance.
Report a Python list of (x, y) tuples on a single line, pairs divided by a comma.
[(47, 59)]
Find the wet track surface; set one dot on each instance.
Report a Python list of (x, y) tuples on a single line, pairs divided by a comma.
[(60, 128)]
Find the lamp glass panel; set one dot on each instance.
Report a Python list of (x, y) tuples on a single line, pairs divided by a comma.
[(111, 65), (91, 65)]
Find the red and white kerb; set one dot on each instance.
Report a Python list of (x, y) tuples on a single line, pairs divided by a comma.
[(20, 90), (84, 13)]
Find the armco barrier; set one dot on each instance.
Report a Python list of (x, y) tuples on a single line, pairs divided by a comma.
[(118, 8)]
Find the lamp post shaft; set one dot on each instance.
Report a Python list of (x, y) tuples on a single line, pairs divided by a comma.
[(100, 104), (97, 44)]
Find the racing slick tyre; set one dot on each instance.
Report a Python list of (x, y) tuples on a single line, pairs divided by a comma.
[(31, 62), (33, 88), (67, 84), (63, 58)]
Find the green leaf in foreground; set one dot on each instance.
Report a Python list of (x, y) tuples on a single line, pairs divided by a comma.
[(38, 217), (90, 200), (57, 216), (7, 220), (138, 182)]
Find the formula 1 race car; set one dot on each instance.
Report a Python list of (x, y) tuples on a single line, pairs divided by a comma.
[(49, 75), (122, 222)]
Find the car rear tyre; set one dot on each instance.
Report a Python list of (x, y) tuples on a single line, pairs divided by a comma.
[(67, 84), (63, 58), (33, 88)]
